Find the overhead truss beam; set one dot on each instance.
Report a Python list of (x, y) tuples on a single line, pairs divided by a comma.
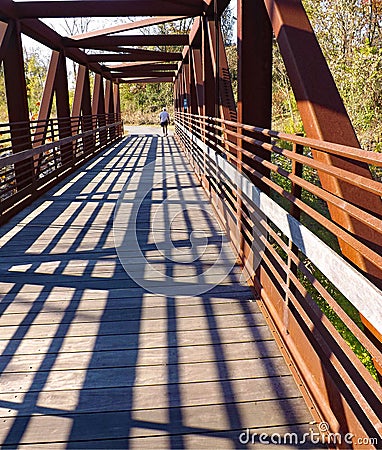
[(109, 8), (109, 57), (139, 68), (143, 73), (128, 26), (128, 40), (148, 80)]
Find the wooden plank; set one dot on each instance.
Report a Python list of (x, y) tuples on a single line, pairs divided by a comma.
[(22, 303), (149, 324), (20, 365), (129, 330), (198, 419), (46, 315), (7, 289), (110, 377), (112, 342), (139, 438), (122, 398), (116, 355), (91, 358)]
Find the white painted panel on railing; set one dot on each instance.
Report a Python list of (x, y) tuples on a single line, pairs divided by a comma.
[(366, 297)]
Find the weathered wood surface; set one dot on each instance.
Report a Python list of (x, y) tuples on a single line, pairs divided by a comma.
[(96, 354)]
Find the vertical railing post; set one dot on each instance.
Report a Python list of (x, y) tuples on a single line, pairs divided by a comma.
[(296, 191), (239, 194)]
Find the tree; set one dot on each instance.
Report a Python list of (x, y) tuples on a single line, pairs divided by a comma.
[(227, 25), (3, 98), (35, 74), (350, 35)]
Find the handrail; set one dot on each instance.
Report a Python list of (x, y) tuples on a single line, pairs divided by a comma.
[(328, 147), (275, 211), (25, 154), (42, 152)]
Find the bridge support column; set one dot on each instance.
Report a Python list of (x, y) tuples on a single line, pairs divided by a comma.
[(82, 104), (197, 68), (254, 35), (193, 106), (109, 105), (17, 101), (185, 106), (324, 117), (176, 93), (227, 107), (117, 105), (63, 108), (98, 106), (208, 74), (56, 82)]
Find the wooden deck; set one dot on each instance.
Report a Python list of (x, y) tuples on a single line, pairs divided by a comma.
[(121, 331)]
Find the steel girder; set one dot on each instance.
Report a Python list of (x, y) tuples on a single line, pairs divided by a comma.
[(209, 84), (136, 67), (109, 8), (143, 73), (56, 83), (254, 42), (82, 105), (128, 27), (127, 40), (324, 117), (197, 65), (17, 101), (98, 105), (162, 56), (147, 80), (224, 92)]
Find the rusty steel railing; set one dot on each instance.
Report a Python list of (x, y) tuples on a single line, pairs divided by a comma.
[(277, 216), (54, 148)]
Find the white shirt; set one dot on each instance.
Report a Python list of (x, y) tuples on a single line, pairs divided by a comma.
[(163, 116)]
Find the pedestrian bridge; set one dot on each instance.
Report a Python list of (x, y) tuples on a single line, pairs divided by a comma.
[(119, 329), (216, 288)]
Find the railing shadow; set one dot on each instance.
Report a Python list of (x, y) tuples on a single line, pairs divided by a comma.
[(94, 353)]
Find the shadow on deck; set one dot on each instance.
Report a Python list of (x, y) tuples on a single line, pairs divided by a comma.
[(125, 322)]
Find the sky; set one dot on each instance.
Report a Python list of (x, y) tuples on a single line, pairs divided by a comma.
[(59, 26)]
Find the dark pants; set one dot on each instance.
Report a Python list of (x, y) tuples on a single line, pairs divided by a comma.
[(164, 126)]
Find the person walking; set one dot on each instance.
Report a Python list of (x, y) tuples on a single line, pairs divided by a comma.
[(164, 118)]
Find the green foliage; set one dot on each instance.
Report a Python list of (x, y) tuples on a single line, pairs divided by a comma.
[(35, 73), (231, 52), (285, 113), (142, 103), (350, 35), (3, 98)]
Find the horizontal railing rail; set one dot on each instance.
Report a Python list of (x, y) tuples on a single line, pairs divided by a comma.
[(35, 155), (267, 191)]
